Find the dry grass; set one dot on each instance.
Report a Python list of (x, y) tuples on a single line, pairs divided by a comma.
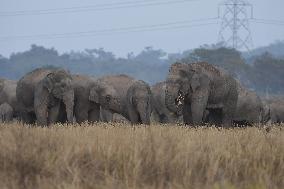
[(119, 156)]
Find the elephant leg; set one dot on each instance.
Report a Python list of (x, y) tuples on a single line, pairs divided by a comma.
[(106, 115), (42, 116), (214, 116), (81, 112), (227, 117), (28, 118), (94, 115), (229, 111), (53, 114), (155, 117), (187, 114), (81, 115), (133, 116), (62, 117), (198, 106), (9, 117)]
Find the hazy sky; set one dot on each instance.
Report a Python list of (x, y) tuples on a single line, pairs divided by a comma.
[(173, 40)]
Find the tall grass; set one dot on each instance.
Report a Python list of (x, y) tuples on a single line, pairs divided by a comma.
[(120, 156)]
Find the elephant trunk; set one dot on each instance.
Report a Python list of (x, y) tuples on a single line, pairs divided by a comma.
[(170, 102), (68, 100)]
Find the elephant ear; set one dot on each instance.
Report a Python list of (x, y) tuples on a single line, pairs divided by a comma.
[(194, 83), (48, 82), (94, 96)]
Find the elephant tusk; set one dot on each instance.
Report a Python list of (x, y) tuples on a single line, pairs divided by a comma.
[(179, 103)]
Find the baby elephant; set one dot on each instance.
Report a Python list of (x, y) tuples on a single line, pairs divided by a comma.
[(6, 113)]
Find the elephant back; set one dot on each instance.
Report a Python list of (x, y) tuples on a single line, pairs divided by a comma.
[(82, 81), (121, 83), (26, 86), (207, 69), (35, 76)]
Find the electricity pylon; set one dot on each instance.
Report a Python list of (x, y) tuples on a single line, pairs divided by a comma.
[(235, 29)]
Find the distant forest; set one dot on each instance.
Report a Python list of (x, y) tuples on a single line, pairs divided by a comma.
[(261, 69)]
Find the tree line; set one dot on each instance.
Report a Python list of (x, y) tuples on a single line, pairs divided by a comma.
[(261, 71)]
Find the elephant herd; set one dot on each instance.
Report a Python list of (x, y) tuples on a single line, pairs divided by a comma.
[(193, 94)]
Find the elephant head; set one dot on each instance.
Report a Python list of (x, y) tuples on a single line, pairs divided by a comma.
[(141, 98), (59, 84), (181, 82), (104, 95)]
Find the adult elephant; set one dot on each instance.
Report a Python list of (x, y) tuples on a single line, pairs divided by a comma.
[(134, 98), (160, 111), (41, 94), (102, 95), (198, 88), (8, 94), (6, 113)]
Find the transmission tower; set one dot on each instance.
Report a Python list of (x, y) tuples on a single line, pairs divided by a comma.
[(235, 30)]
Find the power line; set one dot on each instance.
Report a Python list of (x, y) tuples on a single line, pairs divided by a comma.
[(134, 29), (98, 7), (268, 22), (235, 31)]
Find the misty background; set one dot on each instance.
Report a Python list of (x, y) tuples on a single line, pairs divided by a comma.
[(91, 37)]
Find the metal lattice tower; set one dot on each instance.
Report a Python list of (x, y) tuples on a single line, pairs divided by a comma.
[(235, 29)]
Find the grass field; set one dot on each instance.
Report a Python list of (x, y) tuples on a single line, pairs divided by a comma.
[(118, 156)]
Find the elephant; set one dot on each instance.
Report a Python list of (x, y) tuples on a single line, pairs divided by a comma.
[(6, 113), (199, 87), (8, 94), (41, 94), (276, 106), (133, 100), (249, 107), (249, 111), (89, 96), (161, 113), (266, 113), (108, 116)]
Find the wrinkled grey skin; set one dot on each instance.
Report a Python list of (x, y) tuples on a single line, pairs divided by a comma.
[(266, 113), (133, 98), (8, 94), (6, 113), (249, 110), (89, 96), (161, 113), (42, 92), (199, 87)]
